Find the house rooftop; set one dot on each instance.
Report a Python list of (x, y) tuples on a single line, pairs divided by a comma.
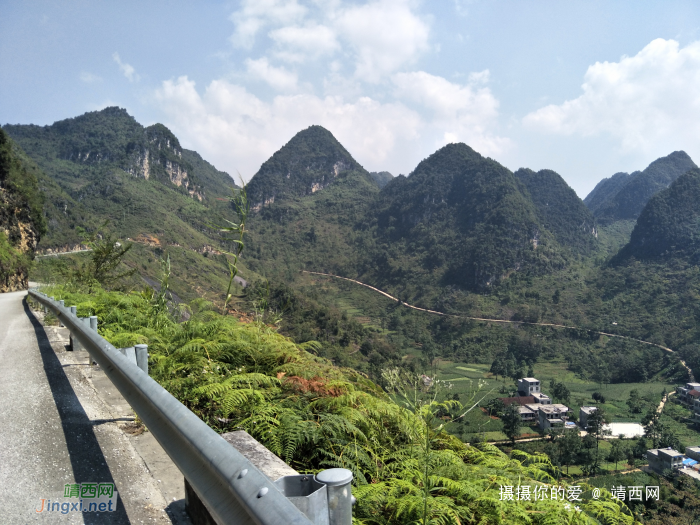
[(672, 453), (588, 410), (532, 379), (694, 393), (666, 452), (555, 408)]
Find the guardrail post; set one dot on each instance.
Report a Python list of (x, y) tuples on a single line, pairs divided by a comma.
[(62, 303), (142, 357), (76, 344), (72, 341), (340, 499), (130, 354), (86, 324)]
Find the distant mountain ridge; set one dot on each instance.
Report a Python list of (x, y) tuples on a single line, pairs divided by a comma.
[(622, 197), (669, 225), (312, 160), (467, 219), (94, 166), (458, 218), (112, 137), (605, 189), (382, 178)]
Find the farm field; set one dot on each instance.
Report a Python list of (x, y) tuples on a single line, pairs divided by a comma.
[(463, 379)]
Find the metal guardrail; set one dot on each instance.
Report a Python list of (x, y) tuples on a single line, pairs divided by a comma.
[(232, 488)]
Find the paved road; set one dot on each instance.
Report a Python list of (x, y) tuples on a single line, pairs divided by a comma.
[(62, 253), (55, 431)]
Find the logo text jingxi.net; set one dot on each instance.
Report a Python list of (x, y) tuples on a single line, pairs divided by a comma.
[(82, 497)]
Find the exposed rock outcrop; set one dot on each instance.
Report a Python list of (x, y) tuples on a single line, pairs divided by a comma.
[(21, 220)]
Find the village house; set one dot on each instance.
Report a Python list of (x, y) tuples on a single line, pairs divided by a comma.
[(661, 459), (552, 416), (583, 415), (532, 400), (688, 393)]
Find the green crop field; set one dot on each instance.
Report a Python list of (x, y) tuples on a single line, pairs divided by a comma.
[(463, 379)]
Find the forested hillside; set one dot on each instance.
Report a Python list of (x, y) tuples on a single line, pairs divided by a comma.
[(103, 173), (91, 163), (560, 210), (461, 234), (624, 196), (21, 215)]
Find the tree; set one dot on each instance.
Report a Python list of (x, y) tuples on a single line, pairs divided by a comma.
[(653, 428), (559, 391), (498, 368), (496, 407), (598, 397), (512, 421), (617, 451), (102, 268), (635, 402), (596, 428), (569, 447), (234, 233)]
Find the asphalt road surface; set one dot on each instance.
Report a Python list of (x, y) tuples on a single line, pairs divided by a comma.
[(55, 430)]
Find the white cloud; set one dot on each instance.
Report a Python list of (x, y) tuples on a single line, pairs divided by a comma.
[(277, 77), (385, 35), (378, 37), (461, 113), (128, 70), (237, 131), (364, 48), (299, 43), (89, 78), (256, 14), (648, 102)]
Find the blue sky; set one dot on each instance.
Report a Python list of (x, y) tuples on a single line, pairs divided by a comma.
[(585, 88)]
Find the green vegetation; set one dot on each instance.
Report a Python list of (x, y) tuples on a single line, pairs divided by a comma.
[(623, 196), (314, 415), (560, 210), (310, 161), (669, 226), (21, 218), (679, 497), (461, 235), (382, 178)]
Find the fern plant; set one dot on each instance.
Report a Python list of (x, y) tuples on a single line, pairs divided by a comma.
[(407, 468)]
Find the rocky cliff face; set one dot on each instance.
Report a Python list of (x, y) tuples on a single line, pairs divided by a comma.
[(159, 155), (21, 220), (112, 138)]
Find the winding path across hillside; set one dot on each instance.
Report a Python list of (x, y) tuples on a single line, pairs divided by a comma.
[(504, 321)]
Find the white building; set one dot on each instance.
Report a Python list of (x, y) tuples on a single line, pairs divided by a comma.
[(552, 416), (528, 386)]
